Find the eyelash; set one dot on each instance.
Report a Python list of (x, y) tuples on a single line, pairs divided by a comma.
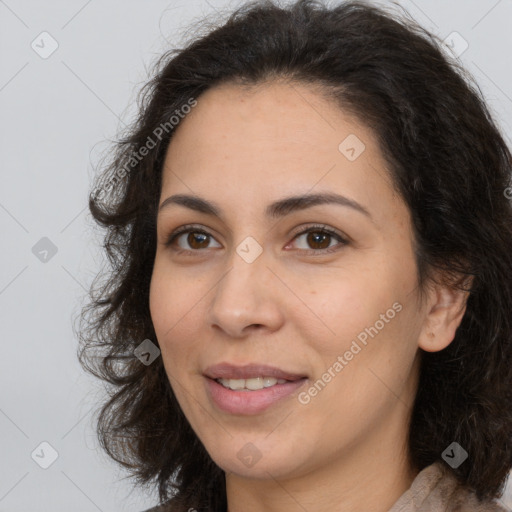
[(312, 229)]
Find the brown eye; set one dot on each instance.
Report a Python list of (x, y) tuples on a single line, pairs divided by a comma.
[(318, 240), (196, 239)]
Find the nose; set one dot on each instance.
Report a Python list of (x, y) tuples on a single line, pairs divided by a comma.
[(247, 297)]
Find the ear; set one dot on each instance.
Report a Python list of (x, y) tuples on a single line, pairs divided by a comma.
[(445, 309)]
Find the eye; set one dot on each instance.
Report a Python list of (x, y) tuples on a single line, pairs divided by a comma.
[(197, 238), (319, 237)]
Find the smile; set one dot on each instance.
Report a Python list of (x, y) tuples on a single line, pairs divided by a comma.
[(250, 396), (251, 384)]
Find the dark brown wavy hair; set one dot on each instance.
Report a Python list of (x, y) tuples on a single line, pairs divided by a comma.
[(448, 161)]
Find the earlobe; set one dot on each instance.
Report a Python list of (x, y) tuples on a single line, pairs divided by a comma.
[(444, 313)]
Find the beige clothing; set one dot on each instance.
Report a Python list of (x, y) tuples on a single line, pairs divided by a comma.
[(435, 489)]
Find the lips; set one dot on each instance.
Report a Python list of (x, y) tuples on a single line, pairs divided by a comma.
[(246, 402), (249, 371)]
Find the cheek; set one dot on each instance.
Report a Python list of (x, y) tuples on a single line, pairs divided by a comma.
[(176, 302), (168, 311), (161, 295), (367, 362), (173, 300), (353, 301), (366, 312)]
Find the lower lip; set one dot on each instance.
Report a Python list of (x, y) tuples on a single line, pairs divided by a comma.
[(249, 402)]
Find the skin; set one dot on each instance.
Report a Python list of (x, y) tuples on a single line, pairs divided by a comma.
[(295, 306)]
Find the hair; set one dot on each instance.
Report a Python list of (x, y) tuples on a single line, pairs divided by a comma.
[(449, 163)]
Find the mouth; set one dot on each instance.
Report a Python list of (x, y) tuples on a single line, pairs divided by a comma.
[(249, 389), (252, 384), (249, 372)]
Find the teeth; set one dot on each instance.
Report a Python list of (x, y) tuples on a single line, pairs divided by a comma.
[(250, 384)]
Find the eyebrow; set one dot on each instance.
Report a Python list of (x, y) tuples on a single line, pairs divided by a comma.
[(276, 209)]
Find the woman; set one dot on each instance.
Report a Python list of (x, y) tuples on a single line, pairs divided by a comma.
[(309, 306)]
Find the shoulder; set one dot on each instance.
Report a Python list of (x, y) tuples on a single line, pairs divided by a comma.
[(436, 488), (464, 500)]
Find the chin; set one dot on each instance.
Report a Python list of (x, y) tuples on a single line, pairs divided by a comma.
[(259, 460)]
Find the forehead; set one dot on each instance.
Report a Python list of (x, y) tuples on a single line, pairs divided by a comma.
[(277, 113), (270, 140)]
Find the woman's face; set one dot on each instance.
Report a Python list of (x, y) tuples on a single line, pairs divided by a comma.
[(337, 313)]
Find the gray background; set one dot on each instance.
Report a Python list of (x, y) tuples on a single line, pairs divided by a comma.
[(56, 115)]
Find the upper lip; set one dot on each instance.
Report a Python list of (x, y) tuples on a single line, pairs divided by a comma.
[(252, 370)]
